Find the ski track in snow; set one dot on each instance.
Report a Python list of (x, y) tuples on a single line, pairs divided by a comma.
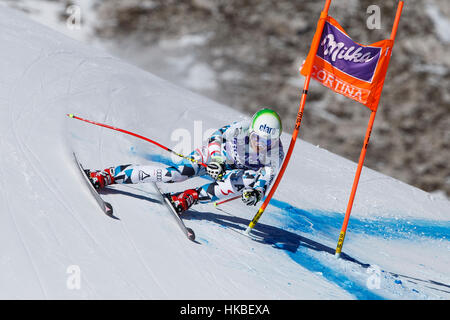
[(21, 238), (58, 196), (144, 264), (35, 163)]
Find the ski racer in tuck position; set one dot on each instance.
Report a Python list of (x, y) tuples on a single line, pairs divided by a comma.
[(242, 158)]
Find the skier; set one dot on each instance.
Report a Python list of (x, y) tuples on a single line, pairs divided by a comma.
[(242, 158)]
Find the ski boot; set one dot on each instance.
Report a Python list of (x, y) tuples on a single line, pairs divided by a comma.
[(101, 179), (182, 201)]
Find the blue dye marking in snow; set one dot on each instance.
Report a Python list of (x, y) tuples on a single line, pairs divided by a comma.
[(316, 221), (326, 222)]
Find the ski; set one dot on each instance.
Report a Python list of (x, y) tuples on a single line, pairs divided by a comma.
[(187, 231), (105, 206), (238, 231)]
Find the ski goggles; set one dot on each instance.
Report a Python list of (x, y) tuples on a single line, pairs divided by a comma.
[(260, 142)]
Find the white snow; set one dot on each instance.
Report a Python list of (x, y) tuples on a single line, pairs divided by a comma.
[(51, 228)]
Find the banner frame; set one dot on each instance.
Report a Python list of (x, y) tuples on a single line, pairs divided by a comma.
[(362, 156)]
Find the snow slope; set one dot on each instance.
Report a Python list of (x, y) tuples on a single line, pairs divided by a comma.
[(397, 245)]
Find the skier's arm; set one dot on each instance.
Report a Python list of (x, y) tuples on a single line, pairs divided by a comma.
[(215, 142), (256, 183), (216, 161), (265, 176), (264, 179)]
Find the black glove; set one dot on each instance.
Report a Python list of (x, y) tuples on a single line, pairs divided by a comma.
[(251, 196), (216, 168)]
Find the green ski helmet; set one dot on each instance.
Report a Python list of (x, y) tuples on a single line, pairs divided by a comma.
[(265, 127)]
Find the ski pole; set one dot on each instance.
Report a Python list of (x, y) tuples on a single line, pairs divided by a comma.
[(224, 201), (71, 115)]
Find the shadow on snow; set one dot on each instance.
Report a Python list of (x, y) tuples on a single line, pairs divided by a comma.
[(297, 247)]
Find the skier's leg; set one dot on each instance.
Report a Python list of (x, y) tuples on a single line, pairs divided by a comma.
[(147, 173), (234, 182), (130, 174)]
